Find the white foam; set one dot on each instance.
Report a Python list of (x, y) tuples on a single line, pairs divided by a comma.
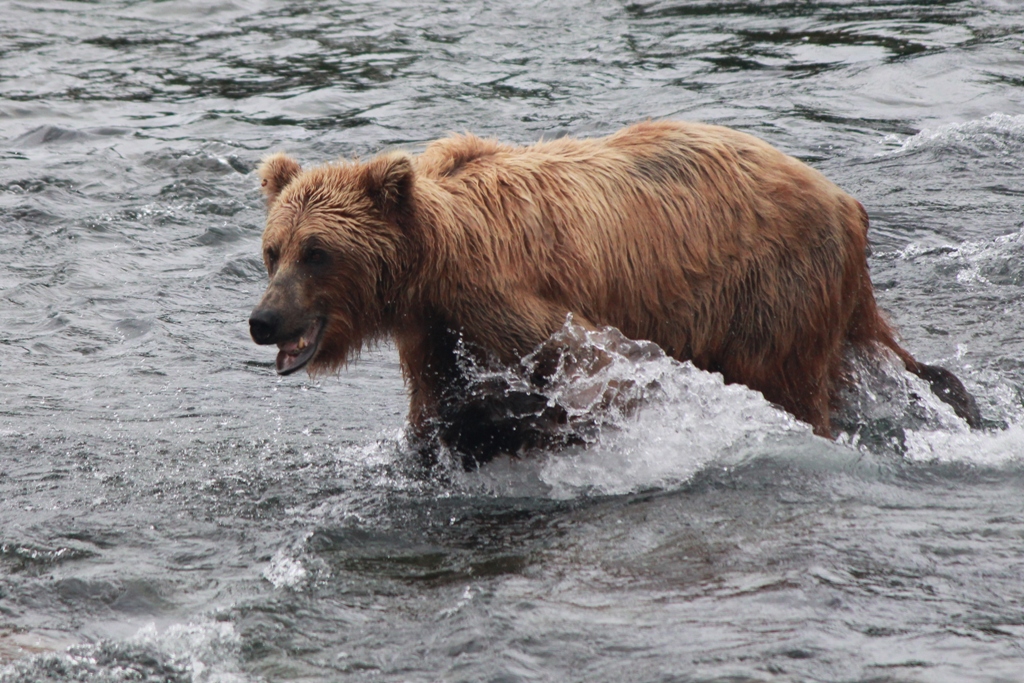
[(999, 448), (996, 133), (206, 651), (885, 392), (986, 254), (698, 421), (929, 430), (997, 247), (285, 571), (209, 648), (981, 264)]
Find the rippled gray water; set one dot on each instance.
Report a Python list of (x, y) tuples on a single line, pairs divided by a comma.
[(171, 510)]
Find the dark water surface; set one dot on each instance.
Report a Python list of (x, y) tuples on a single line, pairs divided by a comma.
[(170, 510)]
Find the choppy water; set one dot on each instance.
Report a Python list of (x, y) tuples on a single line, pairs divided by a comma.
[(171, 510)]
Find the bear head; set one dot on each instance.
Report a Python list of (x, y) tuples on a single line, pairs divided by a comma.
[(334, 247)]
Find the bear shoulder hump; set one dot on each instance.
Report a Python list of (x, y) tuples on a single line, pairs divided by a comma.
[(447, 156)]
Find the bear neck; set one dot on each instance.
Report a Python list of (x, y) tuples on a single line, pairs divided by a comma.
[(447, 249)]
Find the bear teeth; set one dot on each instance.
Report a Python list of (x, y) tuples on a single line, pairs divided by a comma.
[(294, 354)]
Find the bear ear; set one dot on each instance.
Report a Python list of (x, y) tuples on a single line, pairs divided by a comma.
[(387, 180), (275, 173)]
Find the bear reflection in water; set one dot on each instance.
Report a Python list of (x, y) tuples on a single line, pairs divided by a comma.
[(706, 241)]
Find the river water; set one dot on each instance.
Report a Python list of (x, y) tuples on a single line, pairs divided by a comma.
[(171, 510)]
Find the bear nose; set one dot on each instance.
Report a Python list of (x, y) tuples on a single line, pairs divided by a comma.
[(263, 326)]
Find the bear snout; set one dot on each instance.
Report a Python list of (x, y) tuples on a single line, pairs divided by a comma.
[(265, 326)]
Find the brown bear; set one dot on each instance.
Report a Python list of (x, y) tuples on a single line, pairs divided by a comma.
[(707, 241)]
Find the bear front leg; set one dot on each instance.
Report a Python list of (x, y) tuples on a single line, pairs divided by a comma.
[(481, 417), (513, 326)]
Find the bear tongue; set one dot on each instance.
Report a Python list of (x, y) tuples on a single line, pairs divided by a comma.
[(289, 355)]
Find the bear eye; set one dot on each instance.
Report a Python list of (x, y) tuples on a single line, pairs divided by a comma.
[(315, 256), (270, 255)]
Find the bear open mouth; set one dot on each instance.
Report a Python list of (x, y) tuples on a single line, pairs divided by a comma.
[(294, 354)]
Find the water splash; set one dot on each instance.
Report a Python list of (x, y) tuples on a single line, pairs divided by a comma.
[(995, 134), (646, 421), (285, 571), (642, 420), (194, 653), (1002, 448), (884, 403), (985, 263)]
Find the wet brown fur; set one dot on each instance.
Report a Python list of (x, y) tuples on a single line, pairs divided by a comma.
[(705, 240)]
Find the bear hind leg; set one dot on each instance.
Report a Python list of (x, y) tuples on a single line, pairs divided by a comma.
[(950, 390), (868, 327)]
